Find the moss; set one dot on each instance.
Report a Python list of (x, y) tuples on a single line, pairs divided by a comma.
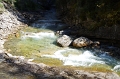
[(97, 68), (118, 73), (29, 47), (49, 61), (2, 9)]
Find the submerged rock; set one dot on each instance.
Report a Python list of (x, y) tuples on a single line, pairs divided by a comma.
[(81, 42), (64, 41)]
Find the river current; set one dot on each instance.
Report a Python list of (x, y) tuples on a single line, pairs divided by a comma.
[(38, 42)]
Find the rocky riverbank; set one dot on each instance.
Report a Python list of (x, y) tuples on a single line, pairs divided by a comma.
[(12, 20), (46, 72), (9, 24)]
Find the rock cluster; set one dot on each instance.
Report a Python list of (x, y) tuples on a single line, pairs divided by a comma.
[(65, 41), (81, 42)]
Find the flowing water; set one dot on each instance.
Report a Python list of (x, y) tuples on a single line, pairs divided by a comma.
[(38, 42)]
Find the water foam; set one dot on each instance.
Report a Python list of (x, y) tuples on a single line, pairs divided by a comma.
[(39, 35), (86, 58)]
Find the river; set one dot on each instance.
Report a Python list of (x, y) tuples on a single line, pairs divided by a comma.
[(38, 42)]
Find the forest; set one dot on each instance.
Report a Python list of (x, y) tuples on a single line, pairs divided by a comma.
[(95, 13), (92, 13)]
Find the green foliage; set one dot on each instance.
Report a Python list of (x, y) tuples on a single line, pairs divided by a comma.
[(23, 5), (26, 5), (29, 5), (2, 9), (10, 1), (94, 12)]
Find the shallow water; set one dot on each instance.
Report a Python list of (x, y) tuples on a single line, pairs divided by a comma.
[(41, 46)]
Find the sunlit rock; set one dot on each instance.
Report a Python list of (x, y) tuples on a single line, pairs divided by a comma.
[(59, 32), (81, 42), (64, 41)]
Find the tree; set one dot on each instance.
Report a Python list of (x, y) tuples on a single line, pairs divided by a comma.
[(94, 12)]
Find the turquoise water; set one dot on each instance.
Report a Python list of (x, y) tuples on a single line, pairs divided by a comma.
[(40, 45)]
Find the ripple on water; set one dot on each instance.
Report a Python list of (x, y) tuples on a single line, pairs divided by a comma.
[(40, 35), (41, 46), (86, 58)]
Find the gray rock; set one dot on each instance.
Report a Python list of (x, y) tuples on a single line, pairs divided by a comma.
[(81, 42), (64, 41), (9, 23)]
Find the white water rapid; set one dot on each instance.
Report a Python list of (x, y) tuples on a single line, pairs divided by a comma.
[(83, 58), (39, 35)]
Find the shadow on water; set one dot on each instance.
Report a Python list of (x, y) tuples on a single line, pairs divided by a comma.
[(28, 11)]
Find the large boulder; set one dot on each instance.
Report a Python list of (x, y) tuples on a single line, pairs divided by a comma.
[(64, 41), (81, 42)]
